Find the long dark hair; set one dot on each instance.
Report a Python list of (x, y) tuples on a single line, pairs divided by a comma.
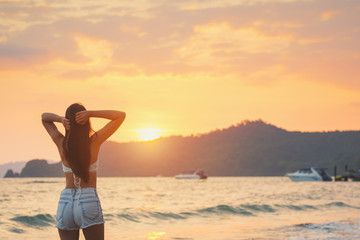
[(76, 144)]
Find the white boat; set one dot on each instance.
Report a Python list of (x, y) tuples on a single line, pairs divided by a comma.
[(199, 174), (309, 174)]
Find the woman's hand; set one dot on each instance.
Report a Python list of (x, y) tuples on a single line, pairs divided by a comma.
[(66, 123), (82, 117)]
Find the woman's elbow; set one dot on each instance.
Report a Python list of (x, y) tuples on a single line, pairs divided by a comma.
[(45, 117), (121, 117)]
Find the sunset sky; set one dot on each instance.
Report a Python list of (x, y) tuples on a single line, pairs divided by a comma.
[(181, 67)]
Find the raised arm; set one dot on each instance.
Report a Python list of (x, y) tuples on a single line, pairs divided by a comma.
[(116, 117), (48, 120)]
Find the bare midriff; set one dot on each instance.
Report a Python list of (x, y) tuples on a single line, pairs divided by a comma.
[(90, 184)]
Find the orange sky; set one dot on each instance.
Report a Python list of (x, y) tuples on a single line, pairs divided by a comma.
[(184, 67)]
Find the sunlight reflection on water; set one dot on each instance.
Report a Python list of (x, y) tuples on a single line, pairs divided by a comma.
[(155, 235)]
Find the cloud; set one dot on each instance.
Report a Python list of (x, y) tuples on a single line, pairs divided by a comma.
[(317, 40), (20, 52), (325, 16)]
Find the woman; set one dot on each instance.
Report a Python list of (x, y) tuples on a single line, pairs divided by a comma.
[(79, 205)]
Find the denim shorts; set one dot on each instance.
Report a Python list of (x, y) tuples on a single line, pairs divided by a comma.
[(78, 208)]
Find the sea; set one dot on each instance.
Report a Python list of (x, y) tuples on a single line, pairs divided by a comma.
[(218, 208)]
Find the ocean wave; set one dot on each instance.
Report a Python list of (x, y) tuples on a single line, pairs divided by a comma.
[(16, 230), (140, 215), (259, 207), (297, 207), (340, 230), (340, 204), (136, 215), (38, 181), (39, 220), (129, 217), (166, 215), (224, 209)]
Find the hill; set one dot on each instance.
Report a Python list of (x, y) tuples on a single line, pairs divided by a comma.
[(251, 148), (15, 166), (37, 168)]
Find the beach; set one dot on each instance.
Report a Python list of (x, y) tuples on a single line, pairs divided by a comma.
[(218, 208)]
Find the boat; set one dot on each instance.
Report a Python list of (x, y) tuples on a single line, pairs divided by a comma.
[(198, 174), (309, 174)]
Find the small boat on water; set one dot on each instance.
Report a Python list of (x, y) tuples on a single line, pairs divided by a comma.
[(309, 174), (199, 174)]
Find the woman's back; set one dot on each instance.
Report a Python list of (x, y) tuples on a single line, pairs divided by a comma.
[(94, 163)]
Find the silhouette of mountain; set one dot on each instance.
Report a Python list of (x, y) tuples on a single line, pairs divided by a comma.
[(38, 168), (251, 148), (15, 166), (11, 174)]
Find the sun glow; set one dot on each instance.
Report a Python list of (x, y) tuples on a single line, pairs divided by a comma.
[(147, 134), (155, 235)]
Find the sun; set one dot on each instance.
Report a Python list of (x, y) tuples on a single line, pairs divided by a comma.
[(147, 134)]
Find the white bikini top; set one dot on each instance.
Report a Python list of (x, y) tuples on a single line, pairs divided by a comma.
[(93, 167)]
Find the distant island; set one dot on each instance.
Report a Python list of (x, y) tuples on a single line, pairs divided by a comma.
[(251, 148), (37, 168)]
